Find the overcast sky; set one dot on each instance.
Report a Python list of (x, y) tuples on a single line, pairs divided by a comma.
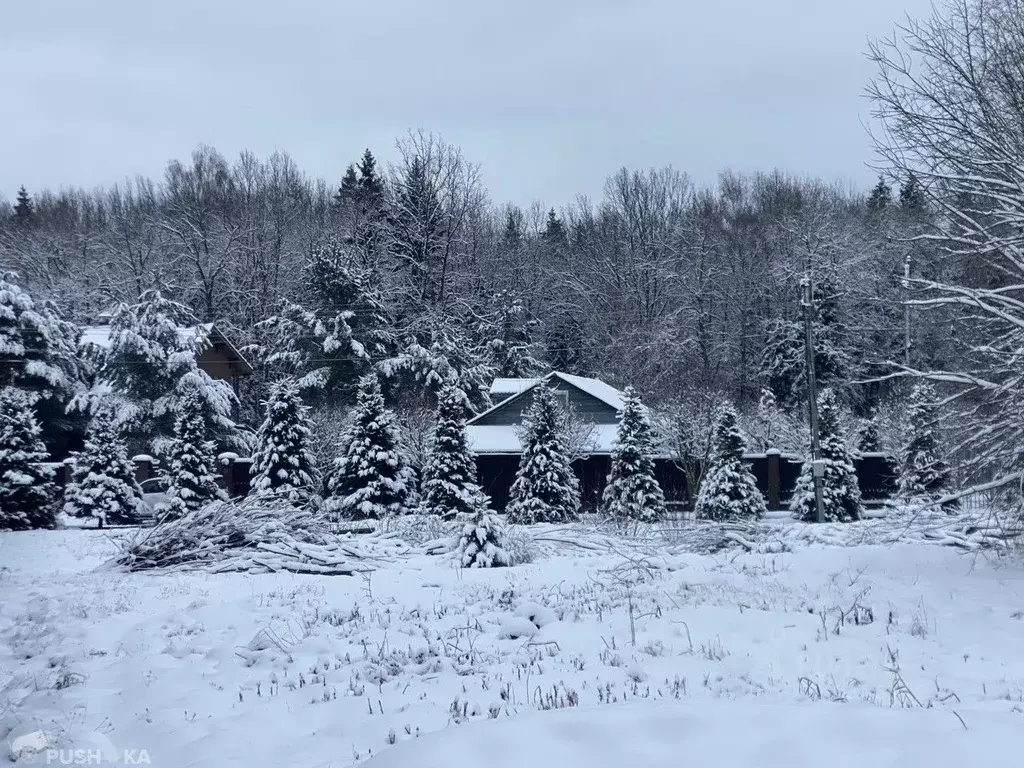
[(549, 97)]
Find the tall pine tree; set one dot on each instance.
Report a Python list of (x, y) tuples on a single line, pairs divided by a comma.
[(283, 464), (923, 472), (546, 490), (26, 485), (840, 489), (632, 491), (103, 481), (191, 481), (729, 491), (449, 484), (370, 478)]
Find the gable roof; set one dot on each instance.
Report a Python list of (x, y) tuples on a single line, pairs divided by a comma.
[(503, 388), (99, 335), (594, 387)]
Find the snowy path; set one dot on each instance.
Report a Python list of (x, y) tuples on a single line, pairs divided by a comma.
[(274, 670)]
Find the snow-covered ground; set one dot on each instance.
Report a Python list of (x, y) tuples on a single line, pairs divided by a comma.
[(826, 655)]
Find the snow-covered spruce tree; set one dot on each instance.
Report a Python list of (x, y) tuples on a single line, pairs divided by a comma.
[(482, 544), (190, 476), (840, 489), (923, 472), (40, 351), (449, 486), (330, 339), (868, 439), (370, 478), (729, 491), (546, 490), (151, 367), (103, 481), (632, 491), (282, 463), (26, 485)]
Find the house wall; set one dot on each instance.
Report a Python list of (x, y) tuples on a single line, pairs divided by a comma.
[(215, 362), (588, 407)]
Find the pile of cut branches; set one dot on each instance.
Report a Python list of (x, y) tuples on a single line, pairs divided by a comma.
[(256, 534)]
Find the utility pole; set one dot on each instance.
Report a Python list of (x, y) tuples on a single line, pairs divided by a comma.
[(817, 467)]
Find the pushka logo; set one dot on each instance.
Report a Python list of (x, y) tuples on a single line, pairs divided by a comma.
[(41, 748)]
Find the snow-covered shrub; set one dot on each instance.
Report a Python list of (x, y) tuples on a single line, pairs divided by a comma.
[(840, 489), (923, 472), (26, 484), (282, 463), (103, 481), (519, 545), (546, 490), (191, 482), (369, 479), (482, 544), (729, 490), (449, 484), (632, 491)]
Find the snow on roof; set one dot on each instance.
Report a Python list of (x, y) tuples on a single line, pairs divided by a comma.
[(505, 388), (100, 334), (593, 387), (498, 439)]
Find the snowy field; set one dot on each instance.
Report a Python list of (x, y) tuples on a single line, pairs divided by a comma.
[(826, 655)]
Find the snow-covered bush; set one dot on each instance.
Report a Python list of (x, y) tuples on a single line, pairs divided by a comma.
[(282, 463), (103, 481), (632, 491), (449, 484), (370, 478), (26, 484), (840, 489), (546, 490), (482, 544), (923, 472), (729, 490), (191, 481)]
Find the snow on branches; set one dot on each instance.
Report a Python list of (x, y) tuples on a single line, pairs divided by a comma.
[(370, 478), (840, 489), (632, 491), (282, 464), (729, 491), (26, 484), (449, 484), (482, 543), (103, 481), (190, 476), (546, 490)]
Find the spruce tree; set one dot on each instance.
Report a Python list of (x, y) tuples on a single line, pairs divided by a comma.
[(546, 490), (40, 350), (868, 439), (191, 481), (729, 491), (26, 486), (103, 481), (24, 210), (449, 484), (370, 478), (632, 491), (880, 197), (482, 543), (923, 472), (282, 464), (840, 489)]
